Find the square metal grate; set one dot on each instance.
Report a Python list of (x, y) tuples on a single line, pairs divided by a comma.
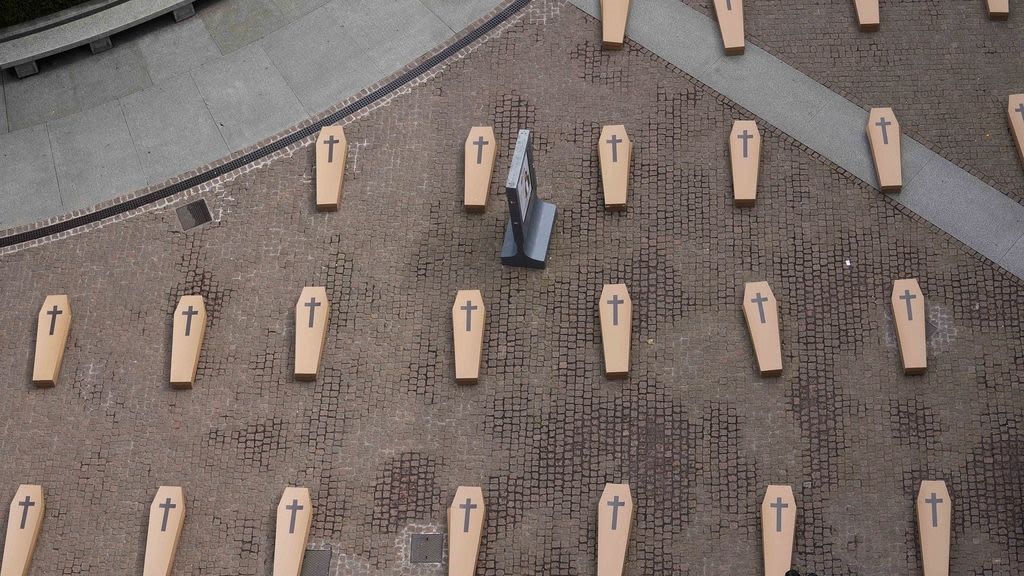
[(194, 214), (427, 549), (316, 563)]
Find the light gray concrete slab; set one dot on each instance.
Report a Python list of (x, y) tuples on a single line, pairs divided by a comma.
[(3, 106), (321, 61), (790, 99), (252, 77), (30, 192), (458, 14), (936, 189), (75, 81), (94, 29), (169, 48), (915, 156), (94, 156), (172, 129), (247, 96), (294, 9), (691, 44), (1015, 258), (394, 32), (236, 23), (836, 130), (965, 207)]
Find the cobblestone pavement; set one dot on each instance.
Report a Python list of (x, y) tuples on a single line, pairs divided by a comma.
[(384, 436), (944, 68)]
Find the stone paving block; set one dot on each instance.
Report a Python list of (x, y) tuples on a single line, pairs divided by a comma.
[(94, 153), (172, 129), (247, 96), (101, 45), (74, 81), (391, 33), (303, 50), (28, 188)]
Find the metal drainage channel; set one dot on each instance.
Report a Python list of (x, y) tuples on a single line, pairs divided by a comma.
[(283, 142)]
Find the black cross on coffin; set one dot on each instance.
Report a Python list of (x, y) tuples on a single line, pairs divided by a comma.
[(529, 229), (778, 506), (933, 501), (331, 141), (53, 313), (745, 136), (25, 505), (883, 124)]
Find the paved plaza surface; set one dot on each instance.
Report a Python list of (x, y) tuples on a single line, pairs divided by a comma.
[(944, 68), (384, 436)]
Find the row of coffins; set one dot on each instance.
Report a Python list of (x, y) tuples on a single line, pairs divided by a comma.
[(466, 522), (187, 335), (469, 318), (729, 13), (760, 310), (615, 153)]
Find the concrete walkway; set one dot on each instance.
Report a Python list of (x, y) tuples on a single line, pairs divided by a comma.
[(934, 188), (170, 97)]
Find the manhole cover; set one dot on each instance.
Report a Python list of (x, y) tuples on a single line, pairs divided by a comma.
[(316, 563), (194, 214), (426, 549)]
